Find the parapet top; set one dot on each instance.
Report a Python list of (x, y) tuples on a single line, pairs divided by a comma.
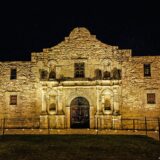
[(79, 32)]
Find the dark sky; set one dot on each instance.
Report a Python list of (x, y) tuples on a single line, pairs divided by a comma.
[(27, 27)]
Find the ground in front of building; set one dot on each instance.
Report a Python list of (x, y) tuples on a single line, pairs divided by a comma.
[(71, 147)]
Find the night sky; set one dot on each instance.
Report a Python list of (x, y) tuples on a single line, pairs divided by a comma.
[(27, 27)]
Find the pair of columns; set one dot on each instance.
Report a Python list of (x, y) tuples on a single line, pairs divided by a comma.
[(101, 98), (115, 99), (45, 99)]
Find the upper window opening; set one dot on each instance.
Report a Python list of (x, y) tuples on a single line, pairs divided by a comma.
[(98, 74), (107, 75), (116, 73), (79, 70), (52, 75), (13, 74), (147, 70), (43, 75)]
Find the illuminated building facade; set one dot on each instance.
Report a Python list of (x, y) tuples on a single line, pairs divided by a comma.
[(80, 83)]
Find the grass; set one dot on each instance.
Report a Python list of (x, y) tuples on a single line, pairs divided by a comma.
[(78, 147)]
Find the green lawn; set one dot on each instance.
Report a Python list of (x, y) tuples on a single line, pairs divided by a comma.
[(78, 147)]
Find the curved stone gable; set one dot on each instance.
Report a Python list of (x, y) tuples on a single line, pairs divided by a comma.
[(80, 44), (79, 32)]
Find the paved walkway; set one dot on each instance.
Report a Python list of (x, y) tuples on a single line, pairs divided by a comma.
[(153, 134)]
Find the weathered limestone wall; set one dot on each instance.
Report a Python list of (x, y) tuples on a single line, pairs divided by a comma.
[(127, 95), (135, 87), (79, 47), (63, 93), (24, 87)]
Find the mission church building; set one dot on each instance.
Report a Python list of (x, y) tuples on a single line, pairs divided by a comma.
[(80, 83)]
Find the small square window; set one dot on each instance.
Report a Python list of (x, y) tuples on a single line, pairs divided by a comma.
[(13, 99), (147, 70), (151, 98), (13, 74)]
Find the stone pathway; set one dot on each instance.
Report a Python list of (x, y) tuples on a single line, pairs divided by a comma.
[(152, 134)]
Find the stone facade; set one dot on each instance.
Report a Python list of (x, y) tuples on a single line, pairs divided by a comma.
[(80, 82)]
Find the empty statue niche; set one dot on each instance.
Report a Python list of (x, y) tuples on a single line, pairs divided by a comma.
[(107, 104), (52, 104)]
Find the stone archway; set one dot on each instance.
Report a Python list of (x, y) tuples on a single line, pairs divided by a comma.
[(79, 113)]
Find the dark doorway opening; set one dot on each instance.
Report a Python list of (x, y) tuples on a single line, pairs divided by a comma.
[(80, 113)]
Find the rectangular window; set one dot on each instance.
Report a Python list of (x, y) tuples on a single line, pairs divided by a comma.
[(79, 70), (147, 70), (151, 98), (13, 74), (13, 99)]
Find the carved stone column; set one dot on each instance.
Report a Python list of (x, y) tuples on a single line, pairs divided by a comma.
[(44, 116), (99, 108), (60, 99), (67, 119), (116, 102), (44, 103), (92, 125)]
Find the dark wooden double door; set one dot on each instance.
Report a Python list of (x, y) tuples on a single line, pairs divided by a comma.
[(79, 113)]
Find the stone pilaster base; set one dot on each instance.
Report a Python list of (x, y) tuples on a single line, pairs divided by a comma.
[(52, 121), (107, 122), (116, 122), (98, 121), (43, 121)]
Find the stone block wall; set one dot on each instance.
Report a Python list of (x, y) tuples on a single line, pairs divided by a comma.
[(24, 87), (135, 87), (127, 96)]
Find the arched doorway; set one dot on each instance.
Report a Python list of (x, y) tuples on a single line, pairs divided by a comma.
[(80, 113)]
